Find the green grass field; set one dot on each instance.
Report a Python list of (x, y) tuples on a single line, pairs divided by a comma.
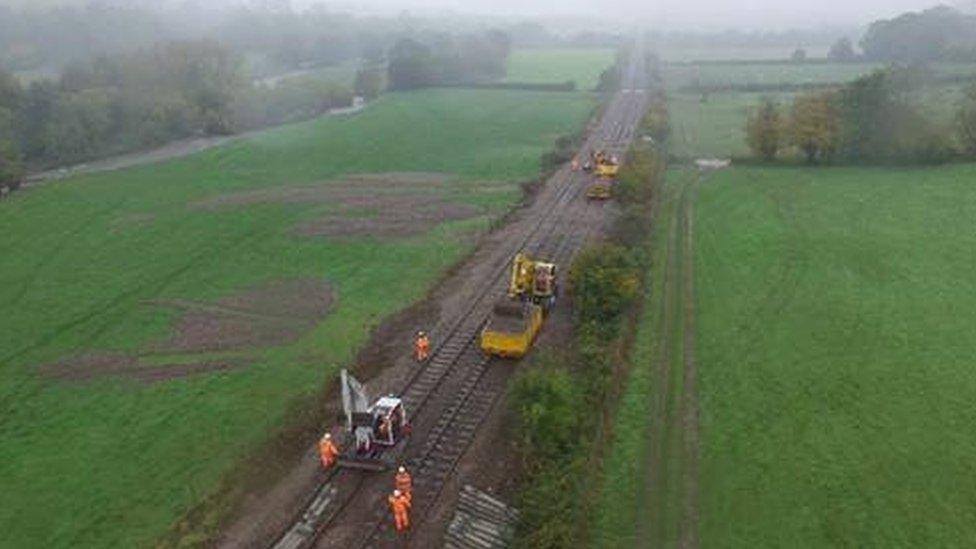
[(711, 75), (834, 336), (556, 65), (111, 461), (835, 343), (713, 126)]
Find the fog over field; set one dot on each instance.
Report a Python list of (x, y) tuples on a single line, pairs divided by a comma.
[(685, 14)]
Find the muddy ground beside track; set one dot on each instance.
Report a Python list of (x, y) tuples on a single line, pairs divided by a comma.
[(272, 503), (235, 326), (385, 205)]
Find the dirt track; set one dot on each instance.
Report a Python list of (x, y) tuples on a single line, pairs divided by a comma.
[(556, 224), (672, 483)]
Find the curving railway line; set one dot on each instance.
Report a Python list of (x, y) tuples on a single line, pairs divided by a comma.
[(450, 395)]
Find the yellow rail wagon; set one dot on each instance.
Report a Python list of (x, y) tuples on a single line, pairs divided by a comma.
[(511, 329), (605, 170), (515, 321)]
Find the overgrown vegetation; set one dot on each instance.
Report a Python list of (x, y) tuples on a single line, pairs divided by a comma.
[(874, 119), (763, 129), (937, 34), (447, 60), (562, 401)]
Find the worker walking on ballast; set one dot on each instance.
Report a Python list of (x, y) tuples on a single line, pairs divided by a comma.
[(421, 346), (400, 506), (404, 483), (327, 451)]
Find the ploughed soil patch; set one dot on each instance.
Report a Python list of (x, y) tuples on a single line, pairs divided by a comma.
[(388, 204), (98, 365), (270, 314), (387, 215)]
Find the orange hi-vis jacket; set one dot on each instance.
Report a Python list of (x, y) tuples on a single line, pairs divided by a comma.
[(327, 451), (403, 482), (400, 504), (422, 346)]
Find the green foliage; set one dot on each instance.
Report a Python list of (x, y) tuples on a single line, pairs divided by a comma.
[(546, 402), (882, 124), (657, 122), (78, 275), (764, 130), (370, 82), (966, 121), (609, 79), (815, 125), (11, 167), (448, 61), (604, 279), (936, 34), (842, 51)]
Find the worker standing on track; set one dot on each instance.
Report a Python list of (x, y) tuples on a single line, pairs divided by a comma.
[(400, 506), (327, 451), (421, 346), (404, 483)]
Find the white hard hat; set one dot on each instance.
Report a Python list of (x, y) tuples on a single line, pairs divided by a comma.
[(396, 493), (403, 469), (327, 436)]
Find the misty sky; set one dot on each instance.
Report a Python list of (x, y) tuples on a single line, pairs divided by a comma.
[(684, 13)]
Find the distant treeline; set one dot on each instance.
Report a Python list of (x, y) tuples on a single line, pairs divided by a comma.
[(81, 83), (448, 61), (129, 102), (937, 34), (133, 101), (874, 119)]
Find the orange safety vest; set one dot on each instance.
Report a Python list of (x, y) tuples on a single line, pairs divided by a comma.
[(403, 482), (327, 450), (398, 504)]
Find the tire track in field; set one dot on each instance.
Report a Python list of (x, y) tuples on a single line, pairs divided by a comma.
[(688, 530), (69, 236), (652, 528), (671, 486)]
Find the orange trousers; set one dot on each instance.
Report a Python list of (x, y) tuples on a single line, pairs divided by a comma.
[(401, 520)]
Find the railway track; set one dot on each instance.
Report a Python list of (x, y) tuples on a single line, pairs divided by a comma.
[(457, 361)]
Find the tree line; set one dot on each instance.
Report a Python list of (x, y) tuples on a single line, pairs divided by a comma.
[(448, 60), (872, 119), (132, 101)]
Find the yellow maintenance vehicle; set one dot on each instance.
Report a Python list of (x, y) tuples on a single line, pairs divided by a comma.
[(605, 169), (516, 320)]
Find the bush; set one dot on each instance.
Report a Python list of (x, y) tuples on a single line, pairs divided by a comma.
[(545, 400), (604, 279), (764, 129), (967, 122)]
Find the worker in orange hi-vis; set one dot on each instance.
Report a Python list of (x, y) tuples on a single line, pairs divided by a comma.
[(400, 506), (404, 483), (327, 451), (421, 346)]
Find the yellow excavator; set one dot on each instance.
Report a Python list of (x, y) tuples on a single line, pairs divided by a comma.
[(516, 320), (605, 170)]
